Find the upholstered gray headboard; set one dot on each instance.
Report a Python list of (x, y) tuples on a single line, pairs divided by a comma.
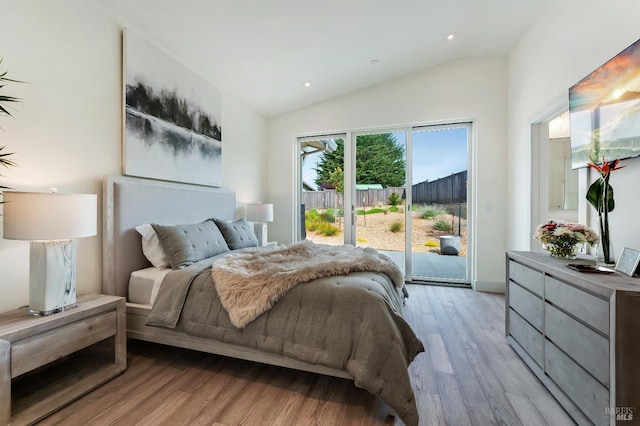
[(129, 202)]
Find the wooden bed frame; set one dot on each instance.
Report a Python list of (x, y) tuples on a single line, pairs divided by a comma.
[(129, 202)]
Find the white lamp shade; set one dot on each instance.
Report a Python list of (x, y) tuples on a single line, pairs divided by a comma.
[(49, 216), (260, 212)]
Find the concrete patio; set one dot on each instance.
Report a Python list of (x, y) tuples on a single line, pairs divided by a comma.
[(433, 266)]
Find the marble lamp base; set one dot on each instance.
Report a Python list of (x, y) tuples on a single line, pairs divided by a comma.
[(52, 276), (260, 229)]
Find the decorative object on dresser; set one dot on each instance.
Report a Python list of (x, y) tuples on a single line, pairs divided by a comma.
[(600, 196), (51, 221), (47, 362), (260, 214), (561, 239), (628, 262), (578, 333)]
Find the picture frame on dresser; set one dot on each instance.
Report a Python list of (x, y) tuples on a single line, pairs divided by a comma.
[(628, 261)]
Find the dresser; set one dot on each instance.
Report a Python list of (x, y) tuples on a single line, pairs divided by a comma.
[(579, 333)]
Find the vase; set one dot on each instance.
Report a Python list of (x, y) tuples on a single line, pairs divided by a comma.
[(604, 249), (562, 251)]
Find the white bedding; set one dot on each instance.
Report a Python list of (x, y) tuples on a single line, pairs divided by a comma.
[(144, 285)]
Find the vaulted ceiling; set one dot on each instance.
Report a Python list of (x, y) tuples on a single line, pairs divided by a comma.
[(264, 51)]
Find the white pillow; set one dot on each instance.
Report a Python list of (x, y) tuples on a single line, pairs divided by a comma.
[(151, 246)]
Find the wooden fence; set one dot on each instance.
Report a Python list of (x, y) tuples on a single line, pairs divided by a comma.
[(329, 198), (447, 190)]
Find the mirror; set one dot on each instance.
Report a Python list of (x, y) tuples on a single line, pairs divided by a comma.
[(563, 180)]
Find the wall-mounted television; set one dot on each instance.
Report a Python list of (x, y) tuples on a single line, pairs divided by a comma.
[(605, 110)]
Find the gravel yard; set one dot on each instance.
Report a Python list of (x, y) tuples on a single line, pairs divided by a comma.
[(374, 230)]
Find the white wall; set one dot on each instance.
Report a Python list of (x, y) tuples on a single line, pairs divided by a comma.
[(463, 89), (564, 45), (67, 130)]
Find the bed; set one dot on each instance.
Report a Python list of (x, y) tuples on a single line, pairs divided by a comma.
[(130, 202)]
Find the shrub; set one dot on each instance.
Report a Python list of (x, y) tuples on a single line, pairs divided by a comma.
[(361, 240), (371, 211), (327, 229), (394, 209), (311, 225), (311, 214), (317, 222), (432, 211), (311, 219), (396, 226), (328, 216), (431, 244), (442, 225), (394, 199), (334, 212)]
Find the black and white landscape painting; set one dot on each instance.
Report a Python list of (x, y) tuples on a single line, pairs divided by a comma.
[(172, 118)]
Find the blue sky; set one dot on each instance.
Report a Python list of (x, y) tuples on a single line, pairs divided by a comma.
[(436, 154)]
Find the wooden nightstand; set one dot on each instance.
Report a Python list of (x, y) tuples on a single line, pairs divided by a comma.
[(47, 362)]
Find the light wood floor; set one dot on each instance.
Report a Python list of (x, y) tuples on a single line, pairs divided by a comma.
[(468, 376)]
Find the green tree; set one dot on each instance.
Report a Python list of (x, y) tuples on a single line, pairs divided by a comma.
[(378, 160), (329, 162), (336, 179)]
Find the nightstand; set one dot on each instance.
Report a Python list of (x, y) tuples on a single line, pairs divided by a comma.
[(47, 362)]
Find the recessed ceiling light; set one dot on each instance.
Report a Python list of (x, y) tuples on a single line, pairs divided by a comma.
[(451, 36), (307, 83)]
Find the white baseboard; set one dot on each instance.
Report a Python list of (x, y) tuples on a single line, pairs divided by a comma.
[(489, 286)]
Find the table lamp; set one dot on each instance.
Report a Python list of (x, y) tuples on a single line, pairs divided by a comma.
[(51, 222), (259, 214)]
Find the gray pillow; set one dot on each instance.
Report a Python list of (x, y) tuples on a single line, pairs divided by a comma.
[(238, 234), (187, 244)]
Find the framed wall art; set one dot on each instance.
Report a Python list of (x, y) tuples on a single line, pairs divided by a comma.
[(172, 127), (605, 111)]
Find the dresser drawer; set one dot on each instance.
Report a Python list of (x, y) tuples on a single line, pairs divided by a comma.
[(528, 337), (590, 309), (528, 305), (39, 350), (589, 396), (526, 277), (585, 346)]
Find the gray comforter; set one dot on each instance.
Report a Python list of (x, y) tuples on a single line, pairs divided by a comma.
[(351, 323)]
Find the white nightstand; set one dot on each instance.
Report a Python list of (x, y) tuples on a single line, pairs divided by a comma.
[(78, 350)]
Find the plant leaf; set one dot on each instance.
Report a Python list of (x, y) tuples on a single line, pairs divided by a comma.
[(595, 196)]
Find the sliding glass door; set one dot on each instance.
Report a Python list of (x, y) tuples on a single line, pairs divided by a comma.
[(321, 214), (379, 191), (402, 191), (439, 175)]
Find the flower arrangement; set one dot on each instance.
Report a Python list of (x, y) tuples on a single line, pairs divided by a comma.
[(561, 238), (600, 195)]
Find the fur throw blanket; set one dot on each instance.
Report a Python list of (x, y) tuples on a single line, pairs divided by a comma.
[(251, 282)]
